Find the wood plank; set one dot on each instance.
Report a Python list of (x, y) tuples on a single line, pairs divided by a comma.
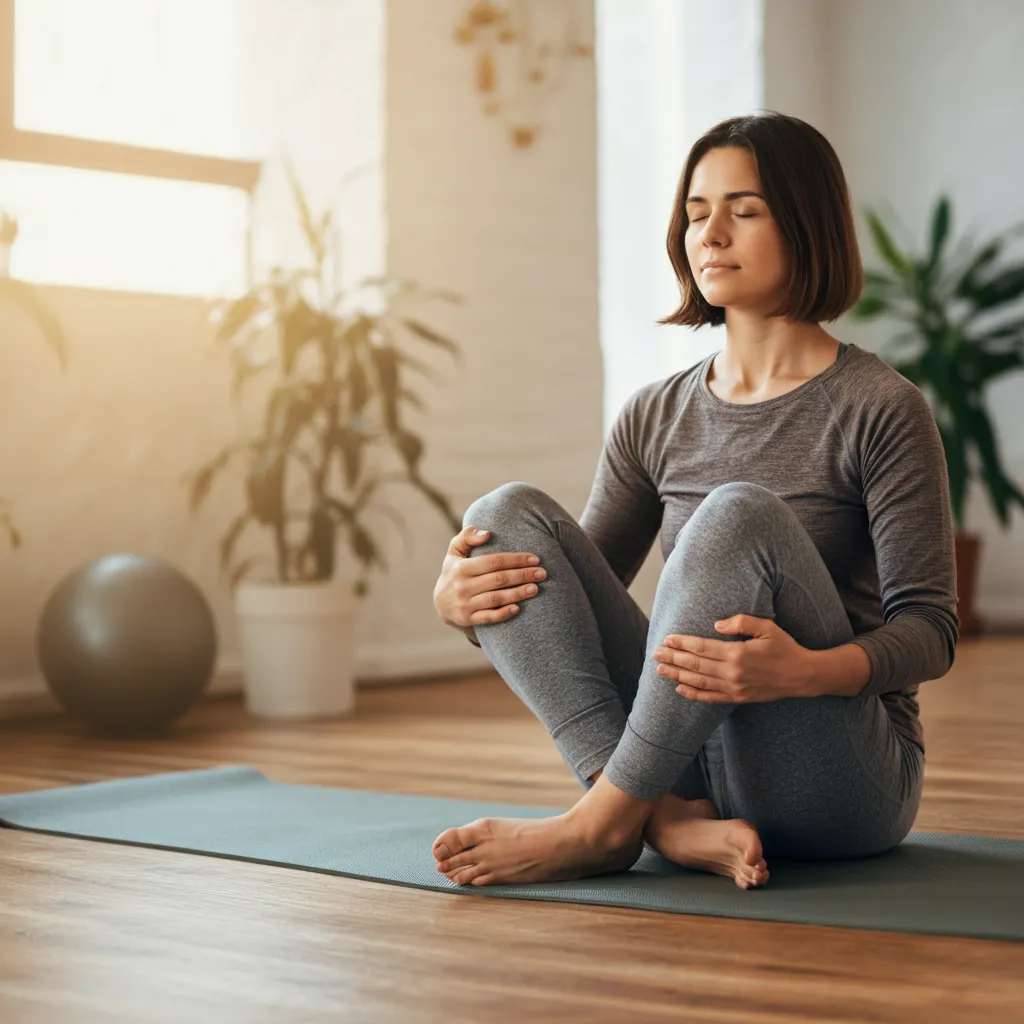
[(100, 932)]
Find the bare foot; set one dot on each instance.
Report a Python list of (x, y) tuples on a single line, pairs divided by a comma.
[(503, 850), (731, 848)]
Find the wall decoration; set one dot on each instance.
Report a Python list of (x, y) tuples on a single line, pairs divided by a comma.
[(524, 50)]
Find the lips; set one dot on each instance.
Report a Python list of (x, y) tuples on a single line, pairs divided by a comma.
[(709, 267)]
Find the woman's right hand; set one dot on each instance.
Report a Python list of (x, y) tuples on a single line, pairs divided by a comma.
[(473, 591)]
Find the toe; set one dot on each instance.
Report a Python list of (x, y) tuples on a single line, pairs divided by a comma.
[(462, 860), (466, 875), (447, 844), (454, 840)]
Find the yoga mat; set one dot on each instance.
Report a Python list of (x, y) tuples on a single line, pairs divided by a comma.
[(933, 883)]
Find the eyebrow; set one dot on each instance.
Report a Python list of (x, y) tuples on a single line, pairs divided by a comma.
[(728, 195)]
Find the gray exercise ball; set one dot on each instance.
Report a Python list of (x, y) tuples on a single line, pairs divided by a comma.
[(126, 643)]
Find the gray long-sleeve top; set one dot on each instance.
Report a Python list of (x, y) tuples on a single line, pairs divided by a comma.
[(854, 451)]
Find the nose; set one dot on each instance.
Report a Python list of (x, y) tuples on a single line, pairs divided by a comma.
[(712, 233)]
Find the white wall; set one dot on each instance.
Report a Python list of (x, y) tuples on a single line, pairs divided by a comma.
[(662, 82), (93, 459), (928, 99)]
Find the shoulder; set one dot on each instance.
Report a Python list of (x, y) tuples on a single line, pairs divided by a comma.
[(661, 398), (882, 412), (873, 392)]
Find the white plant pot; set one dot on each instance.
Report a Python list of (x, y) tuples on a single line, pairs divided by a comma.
[(298, 649)]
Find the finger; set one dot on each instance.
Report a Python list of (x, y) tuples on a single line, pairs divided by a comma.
[(496, 615), (500, 562), (686, 661), (704, 696), (466, 539), (494, 599), (717, 650), (748, 625), (691, 679)]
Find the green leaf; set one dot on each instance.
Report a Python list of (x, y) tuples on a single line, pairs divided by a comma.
[(869, 306), (966, 285), (1007, 286), (990, 365), (980, 428), (886, 247), (956, 465), (1013, 329), (940, 230), (881, 282)]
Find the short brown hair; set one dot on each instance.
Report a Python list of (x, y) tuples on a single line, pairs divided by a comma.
[(805, 189)]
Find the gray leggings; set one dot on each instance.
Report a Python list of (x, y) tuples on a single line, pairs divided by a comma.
[(822, 777)]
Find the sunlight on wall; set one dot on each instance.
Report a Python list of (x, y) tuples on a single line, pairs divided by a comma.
[(165, 74), (94, 229)]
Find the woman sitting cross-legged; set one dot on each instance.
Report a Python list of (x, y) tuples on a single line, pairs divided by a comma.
[(768, 708)]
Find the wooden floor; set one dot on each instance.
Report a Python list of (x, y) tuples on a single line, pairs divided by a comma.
[(94, 932)]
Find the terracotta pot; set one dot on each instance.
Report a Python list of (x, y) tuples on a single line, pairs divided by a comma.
[(968, 549)]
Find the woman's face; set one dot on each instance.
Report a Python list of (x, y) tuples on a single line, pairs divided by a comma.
[(729, 224)]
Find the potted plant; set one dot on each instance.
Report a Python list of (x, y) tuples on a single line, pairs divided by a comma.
[(962, 332), (25, 298), (331, 418)]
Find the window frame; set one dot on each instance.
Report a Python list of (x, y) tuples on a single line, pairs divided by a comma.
[(97, 155)]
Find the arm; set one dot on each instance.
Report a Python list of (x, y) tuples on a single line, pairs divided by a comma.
[(837, 671), (906, 493), (623, 513)]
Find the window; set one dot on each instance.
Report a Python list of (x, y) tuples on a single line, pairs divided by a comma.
[(126, 144)]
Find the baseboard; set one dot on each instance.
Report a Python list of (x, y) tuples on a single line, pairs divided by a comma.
[(381, 663), (376, 664)]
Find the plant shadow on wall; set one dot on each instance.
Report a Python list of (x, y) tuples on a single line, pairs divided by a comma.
[(337, 401), (24, 298), (964, 329)]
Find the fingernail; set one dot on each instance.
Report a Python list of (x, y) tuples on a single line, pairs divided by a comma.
[(444, 851), (533, 560), (482, 533)]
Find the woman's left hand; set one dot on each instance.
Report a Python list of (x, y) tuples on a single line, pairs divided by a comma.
[(770, 666)]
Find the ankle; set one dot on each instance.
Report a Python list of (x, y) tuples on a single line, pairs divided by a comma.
[(606, 816)]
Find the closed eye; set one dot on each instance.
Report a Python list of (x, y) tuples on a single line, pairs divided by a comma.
[(697, 220)]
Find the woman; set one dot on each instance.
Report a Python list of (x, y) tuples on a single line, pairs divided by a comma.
[(800, 488)]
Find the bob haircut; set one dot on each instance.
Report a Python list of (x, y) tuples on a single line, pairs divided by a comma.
[(806, 192)]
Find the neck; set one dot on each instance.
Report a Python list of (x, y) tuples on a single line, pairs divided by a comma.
[(759, 350)]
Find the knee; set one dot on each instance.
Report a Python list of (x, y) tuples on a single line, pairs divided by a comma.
[(743, 506), (515, 498)]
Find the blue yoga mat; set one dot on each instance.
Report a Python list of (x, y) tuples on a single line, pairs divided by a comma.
[(932, 883)]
